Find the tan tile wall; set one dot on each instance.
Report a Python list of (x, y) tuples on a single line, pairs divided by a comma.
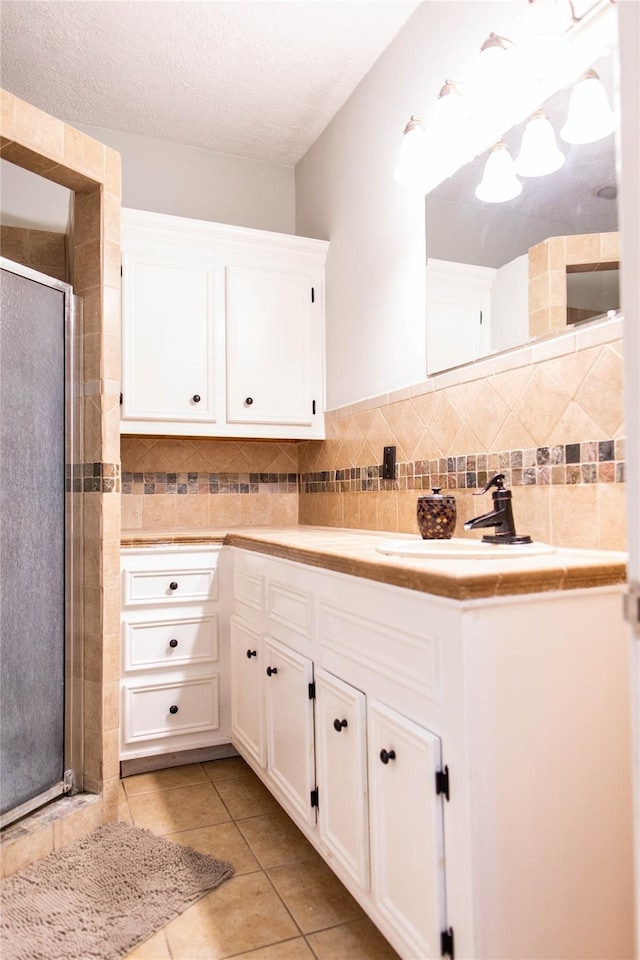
[(41, 250), (548, 262), (44, 145), (571, 398), (159, 511)]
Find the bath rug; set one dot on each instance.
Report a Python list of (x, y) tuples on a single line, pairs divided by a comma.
[(102, 895)]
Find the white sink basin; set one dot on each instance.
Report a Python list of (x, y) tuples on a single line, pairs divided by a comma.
[(459, 549)]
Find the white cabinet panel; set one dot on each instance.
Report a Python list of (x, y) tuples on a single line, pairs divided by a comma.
[(341, 755), (407, 848), (272, 335), (168, 353), (247, 689), (290, 746)]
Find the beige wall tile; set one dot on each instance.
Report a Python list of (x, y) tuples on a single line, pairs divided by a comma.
[(583, 248), (38, 131), (87, 216), (84, 154), (132, 511), (224, 509), (22, 851), (87, 266), (612, 516), (191, 510), (538, 259), (159, 512), (574, 512), (7, 108), (77, 824)]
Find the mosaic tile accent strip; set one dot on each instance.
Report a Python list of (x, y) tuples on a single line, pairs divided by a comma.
[(211, 483), (571, 463), (93, 478)]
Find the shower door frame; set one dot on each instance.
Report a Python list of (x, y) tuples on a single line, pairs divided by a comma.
[(73, 538)]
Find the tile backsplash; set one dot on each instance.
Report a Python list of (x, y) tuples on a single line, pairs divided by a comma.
[(549, 416)]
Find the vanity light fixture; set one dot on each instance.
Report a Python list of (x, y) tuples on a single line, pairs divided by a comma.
[(589, 117), (499, 182), (413, 153), (539, 153)]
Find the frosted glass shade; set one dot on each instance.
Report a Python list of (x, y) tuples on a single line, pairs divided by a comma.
[(412, 162), (539, 153), (499, 182), (589, 117)]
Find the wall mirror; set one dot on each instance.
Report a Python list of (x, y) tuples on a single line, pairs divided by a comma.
[(479, 299)]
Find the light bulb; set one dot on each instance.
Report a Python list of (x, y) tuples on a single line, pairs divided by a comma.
[(589, 117), (412, 162), (539, 153), (495, 61), (499, 182)]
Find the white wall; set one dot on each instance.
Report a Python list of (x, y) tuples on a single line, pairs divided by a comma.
[(27, 200), (165, 177), (510, 304), (345, 193)]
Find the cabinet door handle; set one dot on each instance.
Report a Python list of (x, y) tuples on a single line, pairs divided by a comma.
[(252, 653), (173, 643), (271, 670), (386, 755), (196, 398), (339, 724), (173, 585), (248, 401), (173, 709)]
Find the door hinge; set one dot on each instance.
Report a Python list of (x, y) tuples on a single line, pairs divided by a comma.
[(481, 318), (68, 781), (446, 943), (314, 797), (312, 691), (120, 269), (313, 407), (442, 781), (313, 295), (632, 605), (120, 399)]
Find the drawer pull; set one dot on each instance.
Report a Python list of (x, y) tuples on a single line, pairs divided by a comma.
[(173, 585), (339, 724), (271, 670), (249, 401), (196, 398), (173, 643), (386, 755), (173, 709), (252, 653)]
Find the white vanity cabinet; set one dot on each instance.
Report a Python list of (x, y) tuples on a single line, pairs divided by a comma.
[(174, 675), (470, 757), (223, 330)]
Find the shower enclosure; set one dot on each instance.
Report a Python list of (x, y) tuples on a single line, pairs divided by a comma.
[(40, 536)]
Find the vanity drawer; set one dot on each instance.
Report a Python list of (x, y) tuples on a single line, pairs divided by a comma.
[(173, 583), (169, 709), (179, 639)]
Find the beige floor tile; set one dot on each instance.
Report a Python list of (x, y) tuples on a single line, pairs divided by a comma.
[(155, 948), (243, 914), (360, 940), (223, 841), (164, 779), (246, 797), (290, 950), (226, 769), (275, 839), (183, 808), (124, 814), (314, 895)]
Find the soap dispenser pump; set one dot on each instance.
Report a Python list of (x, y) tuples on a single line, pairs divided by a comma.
[(501, 517)]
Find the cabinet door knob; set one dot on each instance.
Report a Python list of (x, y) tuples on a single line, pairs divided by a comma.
[(249, 401), (339, 724), (196, 398), (386, 755), (271, 670), (173, 585), (252, 653), (173, 709), (173, 643)]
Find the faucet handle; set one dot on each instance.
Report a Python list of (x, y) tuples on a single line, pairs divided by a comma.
[(497, 481)]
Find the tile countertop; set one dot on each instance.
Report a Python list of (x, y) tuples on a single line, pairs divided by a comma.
[(353, 552)]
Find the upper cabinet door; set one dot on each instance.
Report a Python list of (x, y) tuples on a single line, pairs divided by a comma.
[(168, 339), (274, 337)]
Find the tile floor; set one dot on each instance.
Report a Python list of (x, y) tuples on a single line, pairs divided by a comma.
[(283, 903)]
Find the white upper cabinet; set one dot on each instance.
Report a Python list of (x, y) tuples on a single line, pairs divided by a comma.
[(223, 330)]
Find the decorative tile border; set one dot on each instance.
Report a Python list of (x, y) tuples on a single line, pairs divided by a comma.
[(211, 483), (571, 463), (93, 478)]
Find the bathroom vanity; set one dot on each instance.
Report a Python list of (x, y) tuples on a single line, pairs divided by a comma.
[(450, 735)]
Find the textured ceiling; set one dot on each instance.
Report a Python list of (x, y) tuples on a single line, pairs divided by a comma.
[(254, 79)]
